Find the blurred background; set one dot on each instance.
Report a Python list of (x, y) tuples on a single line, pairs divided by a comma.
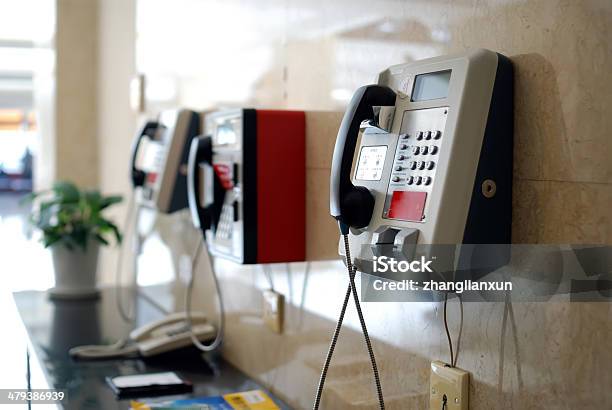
[(77, 77)]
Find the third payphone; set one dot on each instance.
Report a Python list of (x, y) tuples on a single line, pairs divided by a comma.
[(159, 159)]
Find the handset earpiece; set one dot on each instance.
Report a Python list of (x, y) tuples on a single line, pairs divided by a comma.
[(138, 176), (353, 205)]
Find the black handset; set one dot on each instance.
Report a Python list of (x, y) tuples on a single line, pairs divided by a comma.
[(353, 205), (204, 216), (138, 176)]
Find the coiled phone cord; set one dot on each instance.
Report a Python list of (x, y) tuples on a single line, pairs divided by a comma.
[(125, 315), (219, 337), (330, 351), (352, 289), (123, 348), (448, 336), (453, 357)]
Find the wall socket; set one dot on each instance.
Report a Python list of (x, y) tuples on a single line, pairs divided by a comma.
[(273, 310), (450, 383)]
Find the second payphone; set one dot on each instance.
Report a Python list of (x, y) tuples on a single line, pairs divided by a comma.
[(248, 177)]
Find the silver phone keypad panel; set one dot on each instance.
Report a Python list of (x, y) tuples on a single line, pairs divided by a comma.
[(417, 153), (226, 222)]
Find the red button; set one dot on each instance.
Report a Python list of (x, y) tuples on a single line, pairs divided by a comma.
[(407, 205), (224, 173), (151, 177)]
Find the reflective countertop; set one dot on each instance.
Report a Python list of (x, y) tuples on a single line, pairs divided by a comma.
[(54, 326)]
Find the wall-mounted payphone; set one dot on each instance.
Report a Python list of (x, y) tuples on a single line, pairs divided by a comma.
[(248, 183), (159, 159), (432, 165), (434, 161), (158, 172)]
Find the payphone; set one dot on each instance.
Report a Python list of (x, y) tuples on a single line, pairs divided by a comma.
[(250, 172), (247, 192), (423, 157), (434, 160), (159, 159), (158, 172)]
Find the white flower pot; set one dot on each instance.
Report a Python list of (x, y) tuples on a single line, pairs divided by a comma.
[(75, 272)]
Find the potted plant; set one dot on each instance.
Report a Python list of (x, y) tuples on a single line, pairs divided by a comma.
[(73, 227)]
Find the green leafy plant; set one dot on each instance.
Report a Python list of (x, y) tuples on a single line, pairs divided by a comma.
[(71, 217)]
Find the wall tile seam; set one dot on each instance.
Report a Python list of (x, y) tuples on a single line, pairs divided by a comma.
[(562, 181)]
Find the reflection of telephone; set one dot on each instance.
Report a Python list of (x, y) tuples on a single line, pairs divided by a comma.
[(434, 164), (250, 175), (165, 335), (159, 159), (171, 333)]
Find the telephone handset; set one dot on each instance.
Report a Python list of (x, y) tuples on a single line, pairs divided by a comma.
[(159, 159), (205, 213), (138, 176), (353, 205)]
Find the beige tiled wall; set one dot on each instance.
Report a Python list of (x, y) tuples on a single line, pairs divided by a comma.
[(311, 55), (321, 232), (76, 46)]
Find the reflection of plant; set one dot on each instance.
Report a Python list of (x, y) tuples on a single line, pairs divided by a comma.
[(71, 217)]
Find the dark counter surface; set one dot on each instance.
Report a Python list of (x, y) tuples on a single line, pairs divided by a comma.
[(54, 326)]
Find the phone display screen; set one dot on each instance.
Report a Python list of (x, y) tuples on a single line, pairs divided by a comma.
[(226, 134), (431, 86), (371, 163)]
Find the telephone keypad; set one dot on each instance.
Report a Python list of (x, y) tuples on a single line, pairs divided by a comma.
[(415, 166), (226, 222)]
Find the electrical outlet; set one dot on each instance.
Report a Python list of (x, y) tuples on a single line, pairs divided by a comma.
[(450, 383), (273, 310)]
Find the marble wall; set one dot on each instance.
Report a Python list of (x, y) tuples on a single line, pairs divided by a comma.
[(311, 55)]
